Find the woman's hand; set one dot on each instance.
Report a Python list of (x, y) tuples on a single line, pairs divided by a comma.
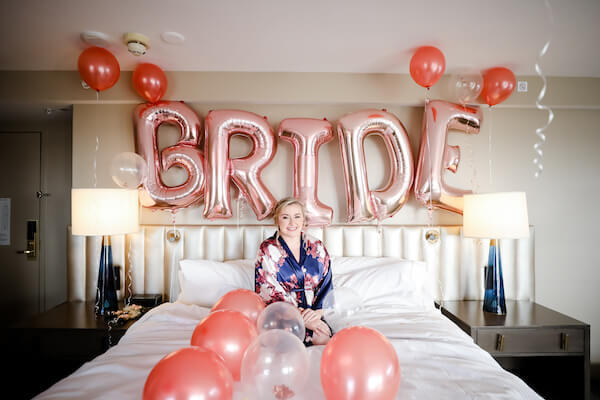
[(312, 320)]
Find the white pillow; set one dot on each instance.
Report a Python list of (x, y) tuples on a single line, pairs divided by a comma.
[(385, 281), (203, 282)]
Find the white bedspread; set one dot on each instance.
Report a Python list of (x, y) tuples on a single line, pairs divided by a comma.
[(437, 360)]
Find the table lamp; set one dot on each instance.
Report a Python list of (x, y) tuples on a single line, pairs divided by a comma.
[(495, 216), (105, 212)]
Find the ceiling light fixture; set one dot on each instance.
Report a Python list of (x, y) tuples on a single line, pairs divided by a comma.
[(95, 38), (137, 44)]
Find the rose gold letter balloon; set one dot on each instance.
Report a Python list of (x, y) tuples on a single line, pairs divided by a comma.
[(365, 204), (185, 154), (307, 135), (245, 172), (436, 156), (360, 363)]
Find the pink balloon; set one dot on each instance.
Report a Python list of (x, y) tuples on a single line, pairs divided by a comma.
[(185, 154), (360, 363), (307, 135), (243, 300), (191, 372), (435, 156), (245, 172), (228, 333), (427, 66), (365, 204)]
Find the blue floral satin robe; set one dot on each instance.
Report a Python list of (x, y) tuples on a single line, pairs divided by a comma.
[(280, 277)]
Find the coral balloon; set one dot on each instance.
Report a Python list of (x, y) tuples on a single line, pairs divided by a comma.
[(99, 68), (150, 82), (427, 66), (243, 300), (360, 363), (498, 85), (228, 333), (189, 373)]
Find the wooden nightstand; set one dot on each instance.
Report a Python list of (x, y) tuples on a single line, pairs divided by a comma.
[(53, 344), (548, 350)]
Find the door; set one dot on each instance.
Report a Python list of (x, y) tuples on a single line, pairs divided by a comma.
[(20, 278)]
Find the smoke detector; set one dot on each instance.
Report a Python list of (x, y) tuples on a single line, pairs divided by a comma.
[(137, 44)]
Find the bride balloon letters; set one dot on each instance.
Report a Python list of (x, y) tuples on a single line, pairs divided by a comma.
[(211, 171)]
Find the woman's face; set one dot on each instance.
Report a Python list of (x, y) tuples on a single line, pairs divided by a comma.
[(290, 221)]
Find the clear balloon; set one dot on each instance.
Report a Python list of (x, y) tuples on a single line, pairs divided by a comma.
[(275, 366), (228, 333), (184, 154), (427, 66), (128, 170), (307, 135), (498, 85), (360, 363), (189, 373), (466, 87), (363, 203), (243, 300), (98, 68), (245, 172), (339, 305), (282, 315), (436, 156)]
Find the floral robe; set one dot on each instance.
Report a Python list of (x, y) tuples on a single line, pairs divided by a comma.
[(280, 277)]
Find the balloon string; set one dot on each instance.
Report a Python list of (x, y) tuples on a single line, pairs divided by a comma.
[(430, 208), (490, 153), (129, 276), (537, 147)]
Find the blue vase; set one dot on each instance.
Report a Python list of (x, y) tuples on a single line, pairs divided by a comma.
[(106, 294), (493, 300)]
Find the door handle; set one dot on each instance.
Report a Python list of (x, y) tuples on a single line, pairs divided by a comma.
[(25, 252)]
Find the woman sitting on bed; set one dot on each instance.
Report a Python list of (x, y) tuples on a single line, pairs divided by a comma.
[(294, 267)]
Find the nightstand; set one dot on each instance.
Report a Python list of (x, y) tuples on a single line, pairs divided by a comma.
[(53, 344), (548, 350)]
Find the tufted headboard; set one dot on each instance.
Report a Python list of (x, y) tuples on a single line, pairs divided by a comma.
[(151, 256)]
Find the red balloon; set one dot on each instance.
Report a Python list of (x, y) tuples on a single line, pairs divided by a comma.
[(427, 66), (498, 85), (243, 300), (150, 82), (228, 333), (191, 372), (99, 68), (360, 363)]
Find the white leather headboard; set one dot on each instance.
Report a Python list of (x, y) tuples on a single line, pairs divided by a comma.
[(455, 262)]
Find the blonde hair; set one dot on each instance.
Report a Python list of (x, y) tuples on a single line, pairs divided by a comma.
[(281, 204)]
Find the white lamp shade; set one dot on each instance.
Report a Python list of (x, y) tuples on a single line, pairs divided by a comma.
[(104, 211), (495, 215)]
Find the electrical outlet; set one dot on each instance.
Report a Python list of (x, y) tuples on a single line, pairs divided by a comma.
[(522, 86)]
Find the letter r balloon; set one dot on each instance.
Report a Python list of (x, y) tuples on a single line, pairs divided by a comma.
[(245, 172), (435, 156), (307, 135)]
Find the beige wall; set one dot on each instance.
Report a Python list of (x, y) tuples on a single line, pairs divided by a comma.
[(560, 202)]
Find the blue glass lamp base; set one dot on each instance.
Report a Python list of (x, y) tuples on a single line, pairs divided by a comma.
[(493, 300), (106, 293)]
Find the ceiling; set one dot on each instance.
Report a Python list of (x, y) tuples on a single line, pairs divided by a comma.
[(377, 36)]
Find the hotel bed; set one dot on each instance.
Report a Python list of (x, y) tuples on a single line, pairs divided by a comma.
[(437, 359)]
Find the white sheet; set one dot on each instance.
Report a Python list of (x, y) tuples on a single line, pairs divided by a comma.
[(437, 359)]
